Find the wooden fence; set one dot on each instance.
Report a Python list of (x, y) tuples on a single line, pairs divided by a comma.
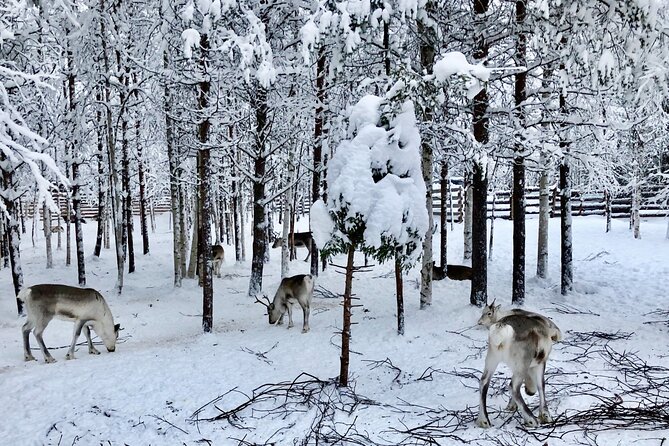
[(583, 203)]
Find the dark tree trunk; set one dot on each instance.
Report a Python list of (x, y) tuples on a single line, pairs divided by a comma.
[(399, 292), (346, 327), (101, 188), (142, 192), (259, 206), (479, 288), (205, 173), (443, 217), (567, 275), (321, 72), (518, 206)]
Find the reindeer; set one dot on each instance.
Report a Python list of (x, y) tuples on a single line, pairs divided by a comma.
[(298, 288), (523, 340), (218, 256), (301, 239), (453, 272), (84, 306)]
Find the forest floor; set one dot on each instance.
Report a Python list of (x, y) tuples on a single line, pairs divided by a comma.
[(252, 383)]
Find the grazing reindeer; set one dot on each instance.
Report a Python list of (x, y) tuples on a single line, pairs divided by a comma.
[(302, 239), (298, 288), (453, 272), (523, 340), (85, 306), (218, 256)]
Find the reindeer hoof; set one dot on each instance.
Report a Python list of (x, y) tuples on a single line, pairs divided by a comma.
[(29, 358), (531, 422), (49, 360), (512, 406), (545, 417), (68, 356), (483, 422), (93, 352), (305, 330)]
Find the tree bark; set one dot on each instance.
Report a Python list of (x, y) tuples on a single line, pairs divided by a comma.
[(259, 206), (428, 42), (399, 293), (518, 206), (346, 326), (46, 225), (321, 72), (567, 275), (443, 217), (544, 218), (467, 226), (115, 185), (479, 288), (143, 203), (101, 189), (205, 174)]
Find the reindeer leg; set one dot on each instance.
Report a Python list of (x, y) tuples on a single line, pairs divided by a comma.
[(305, 315), (39, 329), (77, 332), (517, 381), (27, 327), (491, 362), (289, 307), (91, 349), (544, 416)]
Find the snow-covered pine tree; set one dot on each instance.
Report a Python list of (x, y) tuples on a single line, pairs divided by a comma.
[(376, 194)]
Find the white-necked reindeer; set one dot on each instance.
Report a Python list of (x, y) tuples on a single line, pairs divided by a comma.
[(298, 288), (84, 306), (522, 340), (218, 256)]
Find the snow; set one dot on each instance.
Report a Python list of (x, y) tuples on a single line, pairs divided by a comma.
[(164, 368), (191, 38), (455, 63)]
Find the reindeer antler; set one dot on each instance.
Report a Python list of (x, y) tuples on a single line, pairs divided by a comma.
[(258, 301)]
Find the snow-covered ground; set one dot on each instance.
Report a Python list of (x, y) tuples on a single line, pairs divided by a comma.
[(164, 369)]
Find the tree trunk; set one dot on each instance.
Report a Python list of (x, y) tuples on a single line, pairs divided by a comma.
[(195, 240), (76, 187), (259, 206), (205, 201), (607, 209), (128, 241), (443, 218), (115, 185), (428, 42), (399, 293), (479, 288), (518, 206), (567, 277), (46, 225), (467, 226), (492, 226), (321, 72), (346, 327), (287, 212), (101, 189), (12, 230), (143, 204), (236, 220), (544, 218)]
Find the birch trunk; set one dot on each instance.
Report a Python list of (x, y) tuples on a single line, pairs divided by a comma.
[(467, 226), (428, 42), (101, 189), (287, 212), (544, 218)]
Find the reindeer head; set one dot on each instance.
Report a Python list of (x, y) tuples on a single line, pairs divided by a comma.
[(274, 315), (489, 315)]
